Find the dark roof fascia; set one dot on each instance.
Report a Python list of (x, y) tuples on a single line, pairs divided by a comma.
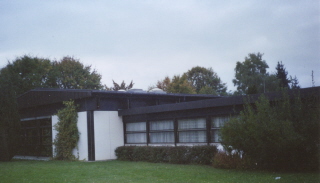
[(104, 93), (38, 97), (182, 106), (218, 102), (43, 96)]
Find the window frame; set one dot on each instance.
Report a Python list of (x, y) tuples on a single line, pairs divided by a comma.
[(192, 130), (162, 131), (144, 131)]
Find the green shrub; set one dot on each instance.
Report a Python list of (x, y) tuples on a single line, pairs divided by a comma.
[(278, 135), (159, 154), (68, 135), (142, 154), (232, 161), (125, 153), (166, 154), (202, 154)]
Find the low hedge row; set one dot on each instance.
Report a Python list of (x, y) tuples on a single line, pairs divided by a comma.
[(166, 154)]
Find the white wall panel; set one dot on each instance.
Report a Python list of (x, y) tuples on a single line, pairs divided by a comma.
[(108, 131), (83, 140)]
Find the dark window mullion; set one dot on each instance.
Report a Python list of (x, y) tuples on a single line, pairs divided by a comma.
[(176, 133), (148, 132)]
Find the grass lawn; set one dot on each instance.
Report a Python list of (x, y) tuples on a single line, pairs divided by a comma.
[(121, 171)]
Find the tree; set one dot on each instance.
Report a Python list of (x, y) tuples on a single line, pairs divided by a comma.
[(281, 74), (201, 77), (9, 121), (26, 73), (312, 79), (294, 83), (122, 86), (207, 90), (277, 135), (70, 73), (180, 84), (251, 76), (163, 85)]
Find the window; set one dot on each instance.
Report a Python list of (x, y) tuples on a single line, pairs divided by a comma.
[(136, 132), (36, 136), (162, 131), (216, 124), (192, 130)]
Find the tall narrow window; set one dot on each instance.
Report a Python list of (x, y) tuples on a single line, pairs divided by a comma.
[(216, 124), (192, 130), (136, 132), (162, 131)]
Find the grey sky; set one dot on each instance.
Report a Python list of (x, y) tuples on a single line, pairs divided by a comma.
[(145, 41)]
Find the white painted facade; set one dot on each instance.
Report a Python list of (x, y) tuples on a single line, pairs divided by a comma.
[(82, 151), (108, 135)]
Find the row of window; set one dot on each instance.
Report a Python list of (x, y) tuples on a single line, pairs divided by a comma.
[(196, 130)]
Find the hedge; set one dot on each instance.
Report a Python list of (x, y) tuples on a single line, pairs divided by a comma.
[(166, 154)]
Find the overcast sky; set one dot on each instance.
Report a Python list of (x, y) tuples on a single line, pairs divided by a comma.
[(146, 40)]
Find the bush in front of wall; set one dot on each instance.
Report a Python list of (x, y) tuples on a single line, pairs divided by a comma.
[(282, 134), (234, 160), (68, 135), (167, 154)]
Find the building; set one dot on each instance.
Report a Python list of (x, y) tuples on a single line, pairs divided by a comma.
[(109, 119)]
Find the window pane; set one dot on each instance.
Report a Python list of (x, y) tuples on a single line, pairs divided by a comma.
[(136, 138), (131, 127), (192, 136), (162, 137), (161, 125), (215, 136), (218, 122), (198, 123)]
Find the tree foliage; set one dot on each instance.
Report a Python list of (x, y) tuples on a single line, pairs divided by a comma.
[(204, 78), (122, 86), (251, 76), (294, 82), (9, 121), (281, 74), (26, 73), (163, 85), (180, 84), (68, 135), (279, 135), (197, 80), (69, 73)]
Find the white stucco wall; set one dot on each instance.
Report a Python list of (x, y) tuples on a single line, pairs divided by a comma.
[(54, 120), (108, 134), (82, 150), (83, 140)]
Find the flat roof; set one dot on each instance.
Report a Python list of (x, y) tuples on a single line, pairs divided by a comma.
[(217, 102), (43, 96)]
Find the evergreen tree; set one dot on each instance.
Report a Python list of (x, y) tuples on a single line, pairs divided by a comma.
[(281, 74), (294, 83)]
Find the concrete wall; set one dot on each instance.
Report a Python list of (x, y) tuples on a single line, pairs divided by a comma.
[(108, 134), (82, 151)]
